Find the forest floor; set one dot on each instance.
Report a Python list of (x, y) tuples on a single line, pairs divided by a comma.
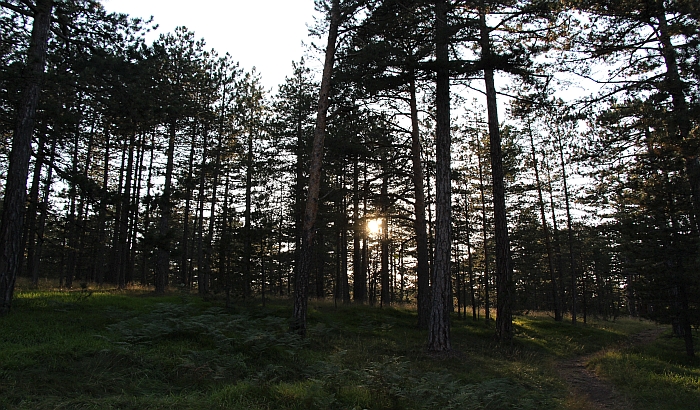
[(592, 391), (104, 348)]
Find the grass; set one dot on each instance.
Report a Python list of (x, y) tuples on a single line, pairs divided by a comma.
[(102, 349), (657, 376)]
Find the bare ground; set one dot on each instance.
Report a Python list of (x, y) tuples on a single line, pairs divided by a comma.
[(595, 392)]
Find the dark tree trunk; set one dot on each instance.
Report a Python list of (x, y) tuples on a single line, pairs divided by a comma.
[(570, 232), (439, 327), (163, 252), (99, 254), (34, 258), (247, 232), (29, 235), (18, 170), (125, 258), (185, 265), (419, 224), (504, 273), (147, 246), (359, 269), (545, 233), (302, 279), (484, 230), (470, 268), (384, 241)]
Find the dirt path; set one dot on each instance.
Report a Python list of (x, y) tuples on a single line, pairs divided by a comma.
[(589, 388)]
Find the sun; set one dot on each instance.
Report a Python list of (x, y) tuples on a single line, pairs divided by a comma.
[(374, 226)]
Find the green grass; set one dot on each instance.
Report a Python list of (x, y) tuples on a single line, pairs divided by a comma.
[(105, 349), (657, 376)]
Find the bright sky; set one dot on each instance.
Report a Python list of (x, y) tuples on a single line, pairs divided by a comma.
[(266, 34)]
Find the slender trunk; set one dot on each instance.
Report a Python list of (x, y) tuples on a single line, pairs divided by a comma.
[(71, 223), (29, 235), (419, 224), (135, 215), (305, 262), (439, 327), (125, 257), (147, 246), (185, 265), (200, 218), (247, 232), (116, 264), (360, 279), (224, 245), (35, 257), (504, 273), (545, 233), (205, 276), (344, 280), (100, 253), (484, 230), (470, 268), (163, 263), (384, 241), (570, 233)]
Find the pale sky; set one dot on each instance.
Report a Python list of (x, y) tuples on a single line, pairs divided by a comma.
[(267, 34)]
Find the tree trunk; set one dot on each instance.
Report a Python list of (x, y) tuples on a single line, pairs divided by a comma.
[(484, 230), (359, 277), (419, 224), (18, 170), (163, 253), (504, 274), (570, 232), (185, 265), (302, 279), (29, 235), (545, 232), (34, 258), (384, 240), (470, 261), (439, 327)]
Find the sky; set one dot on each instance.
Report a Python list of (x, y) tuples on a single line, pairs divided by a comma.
[(265, 34)]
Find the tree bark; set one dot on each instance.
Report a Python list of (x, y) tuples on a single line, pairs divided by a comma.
[(545, 233), (305, 262), (484, 232), (419, 224), (18, 170), (163, 253), (358, 266), (504, 273), (570, 232), (439, 327)]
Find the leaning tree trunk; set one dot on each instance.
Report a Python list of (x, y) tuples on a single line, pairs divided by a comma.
[(439, 327), (305, 260), (18, 170), (504, 273)]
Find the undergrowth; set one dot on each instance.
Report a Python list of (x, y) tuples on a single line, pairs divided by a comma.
[(96, 349)]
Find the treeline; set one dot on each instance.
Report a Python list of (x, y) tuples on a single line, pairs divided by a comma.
[(166, 164)]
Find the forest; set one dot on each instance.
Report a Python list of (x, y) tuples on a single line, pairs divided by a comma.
[(482, 159)]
